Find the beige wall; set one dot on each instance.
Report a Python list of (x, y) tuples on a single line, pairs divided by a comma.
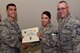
[(29, 11)]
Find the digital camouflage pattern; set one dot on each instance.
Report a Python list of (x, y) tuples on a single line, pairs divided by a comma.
[(0, 38), (11, 37), (49, 40), (69, 34)]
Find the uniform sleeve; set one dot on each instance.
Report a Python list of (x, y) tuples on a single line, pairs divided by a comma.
[(76, 28), (8, 38)]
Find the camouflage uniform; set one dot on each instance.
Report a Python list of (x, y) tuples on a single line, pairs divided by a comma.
[(69, 34), (0, 38), (49, 41), (11, 34)]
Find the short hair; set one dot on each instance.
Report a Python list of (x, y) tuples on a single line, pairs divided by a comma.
[(47, 13), (10, 4), (64, 2)]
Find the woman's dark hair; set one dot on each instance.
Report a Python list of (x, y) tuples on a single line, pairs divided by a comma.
[(47, 13)]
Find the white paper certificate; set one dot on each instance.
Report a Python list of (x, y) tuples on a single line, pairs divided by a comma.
[(30, 35)]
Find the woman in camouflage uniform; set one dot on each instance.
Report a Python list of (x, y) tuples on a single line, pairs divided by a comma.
[(46, 34)]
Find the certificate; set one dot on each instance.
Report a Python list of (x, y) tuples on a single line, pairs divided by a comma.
[(30, 35)]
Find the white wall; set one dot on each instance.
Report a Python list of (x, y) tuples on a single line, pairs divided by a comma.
[(29, 11)]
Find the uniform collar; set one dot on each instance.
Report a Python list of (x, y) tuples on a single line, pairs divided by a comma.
[(46, 28)]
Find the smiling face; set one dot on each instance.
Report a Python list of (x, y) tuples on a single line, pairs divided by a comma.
[(62, 9), (45, 20), (11, 11)]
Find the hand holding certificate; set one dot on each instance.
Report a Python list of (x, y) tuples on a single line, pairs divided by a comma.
[(30, 35)]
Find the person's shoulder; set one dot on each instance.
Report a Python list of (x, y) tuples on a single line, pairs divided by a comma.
[(2, 23), (54, 27), (74, 18), (2, 26)]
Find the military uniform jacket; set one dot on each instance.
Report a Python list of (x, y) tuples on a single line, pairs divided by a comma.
[(49, 41), (69, 31), (10, 36)]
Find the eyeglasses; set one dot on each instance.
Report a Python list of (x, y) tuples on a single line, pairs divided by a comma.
[(61, 9)]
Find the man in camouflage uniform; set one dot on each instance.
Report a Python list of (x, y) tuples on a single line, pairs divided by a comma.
[(69, 29), (11, 34)]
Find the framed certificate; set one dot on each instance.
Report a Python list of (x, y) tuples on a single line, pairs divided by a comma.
[(30, 35)]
